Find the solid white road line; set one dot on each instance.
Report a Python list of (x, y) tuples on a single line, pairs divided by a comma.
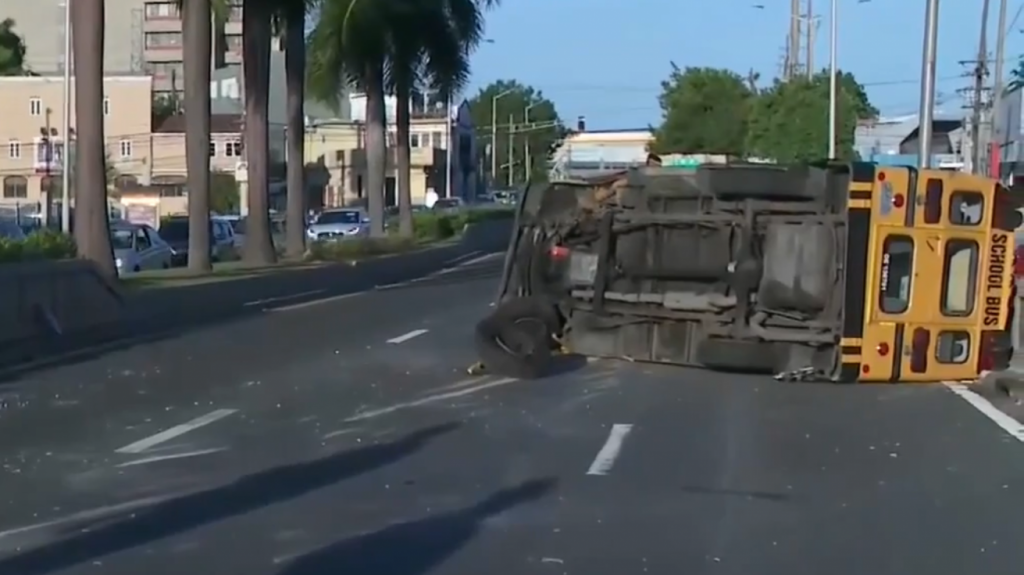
[(1005, 422), (283, 298), (407, 336), (90, 514), (305, 304), (467, 263), (370, 414), (605, 459), (156, 458), (168, 434)]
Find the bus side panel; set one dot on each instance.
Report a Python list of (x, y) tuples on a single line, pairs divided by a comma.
[(895, 192), (876, 366), (997, 290)]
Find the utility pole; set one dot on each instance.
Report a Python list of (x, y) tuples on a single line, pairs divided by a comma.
[(511, 146), (793, 51), (811, 25), (980, 76), (927, 108), (996, 135)]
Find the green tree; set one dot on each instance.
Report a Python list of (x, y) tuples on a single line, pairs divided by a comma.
[(704, 110), (349, 47), (292, 23), (164, 107), (1016, 77), (197, 30), (432, 43), (92, 225), (224, 197), (525, 120), (12, 50), (789, 121)]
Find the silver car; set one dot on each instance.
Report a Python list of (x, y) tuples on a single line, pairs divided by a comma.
[(138, 247), (339, 224)]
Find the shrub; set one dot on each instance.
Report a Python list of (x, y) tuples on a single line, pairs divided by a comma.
[(356, 249), (433, 227), (39, 245)]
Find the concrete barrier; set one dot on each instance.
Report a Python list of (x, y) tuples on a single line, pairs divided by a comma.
[(44, 305), (57, 307)]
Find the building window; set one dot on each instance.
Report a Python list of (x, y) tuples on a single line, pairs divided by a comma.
[(49, 154), (35, 106), (233, 149), (106, 106), (14, 149), (213, 149), (172, 70), (438, 138), (414, 140), (158, 10), (163, 39), (15, 187), (125, 147), (235, 13)]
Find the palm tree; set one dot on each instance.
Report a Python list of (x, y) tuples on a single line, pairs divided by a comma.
[(198, 51), (350, 46), (294, 20), (91, 214), (257, 35), (435, 40)]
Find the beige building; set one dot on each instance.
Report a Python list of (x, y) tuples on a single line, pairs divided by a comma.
[(140, 154), (141, 36), (339, 149)]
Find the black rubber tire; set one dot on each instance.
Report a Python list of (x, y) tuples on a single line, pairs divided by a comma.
[(515, 340), (737, 355), (756, 182)]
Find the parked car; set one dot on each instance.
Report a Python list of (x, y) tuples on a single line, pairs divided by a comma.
[(174, 230), (138, 247), (447, 205), (339, 224), (10, 230)]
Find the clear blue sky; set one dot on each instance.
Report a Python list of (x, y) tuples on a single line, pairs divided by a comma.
[(605, 59)]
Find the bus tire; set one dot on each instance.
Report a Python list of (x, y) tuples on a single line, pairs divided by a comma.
[(756, 182), (737, 355), (516, 339)]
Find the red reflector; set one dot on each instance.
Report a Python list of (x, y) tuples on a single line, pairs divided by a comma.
[(882, 349), (898, 200), (559, 252), (881, 176)]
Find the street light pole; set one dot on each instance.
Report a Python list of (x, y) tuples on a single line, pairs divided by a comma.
[(996, 138), (833, 82), (448, 154), (494, 134), (926, 112), (526, 146), (65, 128)]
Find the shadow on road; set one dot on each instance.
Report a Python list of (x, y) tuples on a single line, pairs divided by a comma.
[(248, 494), (415, 547)]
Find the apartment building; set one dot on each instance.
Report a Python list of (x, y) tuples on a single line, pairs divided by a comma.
[(139, 153), (141, 36)]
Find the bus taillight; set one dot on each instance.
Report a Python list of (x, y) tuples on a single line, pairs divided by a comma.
[(919, 344)]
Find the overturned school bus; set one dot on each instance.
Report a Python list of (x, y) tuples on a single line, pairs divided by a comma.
[(840, 272)]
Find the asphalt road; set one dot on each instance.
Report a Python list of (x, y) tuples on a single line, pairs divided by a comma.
[(302, 442)]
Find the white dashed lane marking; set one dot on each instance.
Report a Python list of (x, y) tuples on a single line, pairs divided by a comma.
[(407, 336)]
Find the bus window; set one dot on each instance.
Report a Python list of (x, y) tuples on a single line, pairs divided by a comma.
[(966, 208), (953, 347), (959, 275), (897, 269)]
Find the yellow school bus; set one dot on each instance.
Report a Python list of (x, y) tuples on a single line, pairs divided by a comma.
[(929, 271)]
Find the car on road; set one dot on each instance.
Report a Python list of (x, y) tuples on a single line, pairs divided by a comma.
[(175, 232), (138, 247), (448, 205), (339, 224), (10, 230)]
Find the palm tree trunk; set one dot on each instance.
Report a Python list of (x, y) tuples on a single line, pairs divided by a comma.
[(376, 147), (295, 73), (92, 227), (196, 31), (403, 156), (256, 39)]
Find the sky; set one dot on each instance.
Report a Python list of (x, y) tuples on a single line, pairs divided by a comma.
[(605, 59)]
